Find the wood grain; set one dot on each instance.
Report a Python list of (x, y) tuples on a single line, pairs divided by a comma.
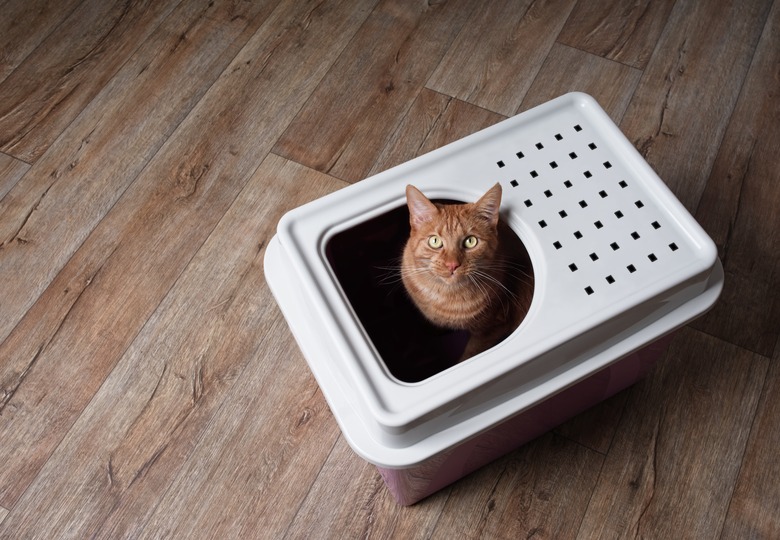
[(753, 512), (542, 491), (677, 450), (24, 24), (40, 98), (356, 109), (739, 207), (149, 386), (52, 210), (149, 236), (625, 31), (596, 427), (569, 70), (350, 500), (498, 53), (433, 121), (677, 118), (11, 170), (168, 392)]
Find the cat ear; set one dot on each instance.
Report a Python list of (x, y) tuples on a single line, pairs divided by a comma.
[(421, 210), (488, 205)]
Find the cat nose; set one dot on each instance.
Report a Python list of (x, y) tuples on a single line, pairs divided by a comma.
[(452, 266)]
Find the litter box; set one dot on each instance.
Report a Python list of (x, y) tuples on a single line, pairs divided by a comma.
[(617, 262)]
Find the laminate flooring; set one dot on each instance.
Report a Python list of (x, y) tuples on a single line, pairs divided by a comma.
[(149, 384)]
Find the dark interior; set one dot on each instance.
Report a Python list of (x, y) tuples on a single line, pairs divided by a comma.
[(366, 260)]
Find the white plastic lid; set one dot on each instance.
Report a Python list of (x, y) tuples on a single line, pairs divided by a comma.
[(618, 262)]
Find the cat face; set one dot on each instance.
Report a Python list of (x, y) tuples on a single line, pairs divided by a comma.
[(449, 243)]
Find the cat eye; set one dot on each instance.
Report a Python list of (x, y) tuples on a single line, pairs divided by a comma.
[(470, 242), (434, 241)]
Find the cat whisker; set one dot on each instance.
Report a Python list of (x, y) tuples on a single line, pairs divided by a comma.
[(510, 295), (506, 265)]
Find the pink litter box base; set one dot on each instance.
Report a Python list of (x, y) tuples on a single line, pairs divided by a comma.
[(411, 485)]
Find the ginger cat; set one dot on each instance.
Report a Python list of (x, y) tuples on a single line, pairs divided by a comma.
[(461, 270)]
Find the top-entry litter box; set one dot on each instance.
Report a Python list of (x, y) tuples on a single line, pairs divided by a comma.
[(617, 264)]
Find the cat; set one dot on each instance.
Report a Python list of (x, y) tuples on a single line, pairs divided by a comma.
[(464, 269)]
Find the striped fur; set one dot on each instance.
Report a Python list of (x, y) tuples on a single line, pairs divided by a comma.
[(479, 288)]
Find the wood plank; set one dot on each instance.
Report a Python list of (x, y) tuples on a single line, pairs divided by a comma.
[(753, 512), (433, 121), (542, 492), (739, 207), (568, 70), (140, 248), (212, 399), (678, 448), (46, 92), (358, 106), (24, 24), (596, 427), (51, 211), (11, 170), (252, 423), (677, 118), (498, 53), (350, 500), (625, 31)]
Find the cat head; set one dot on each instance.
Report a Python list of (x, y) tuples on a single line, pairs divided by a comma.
[(452, 240)]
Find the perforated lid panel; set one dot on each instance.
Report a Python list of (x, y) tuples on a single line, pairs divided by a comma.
[(618, 262)]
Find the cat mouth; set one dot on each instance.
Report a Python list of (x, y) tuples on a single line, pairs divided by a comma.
[(450, 277)]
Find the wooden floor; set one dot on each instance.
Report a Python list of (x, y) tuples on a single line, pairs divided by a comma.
[(149, 386)]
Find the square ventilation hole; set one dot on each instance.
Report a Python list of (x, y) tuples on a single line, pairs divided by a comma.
[(568, 183), (578, 128), (534, 174), (587, 174), (673, 246), (623, 184), (573, 155), (656, 225), (652, 257), (500, 164), (563, 214), (553, 165), (589, 290), (598, 224), (610, 280), (520, 155), (513, 183), (631, 268), (539, 146), (607, 165), (618, 214), (592, 146), (573, 267), (635, 235), (593, 257), (547, 193), (558, 137), (543, 224), (577, 235), (557, 245), (528, 203)]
